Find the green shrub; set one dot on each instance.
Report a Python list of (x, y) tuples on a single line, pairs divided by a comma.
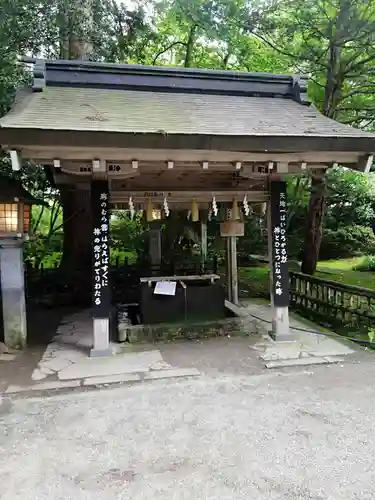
[(368, 264), (347, 242)]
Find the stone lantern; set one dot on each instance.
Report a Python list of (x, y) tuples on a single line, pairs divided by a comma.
[(15, 214)]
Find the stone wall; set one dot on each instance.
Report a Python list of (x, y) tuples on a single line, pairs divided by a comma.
[(234, 326)]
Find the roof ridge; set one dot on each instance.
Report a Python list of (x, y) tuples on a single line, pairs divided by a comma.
[(77, 73)]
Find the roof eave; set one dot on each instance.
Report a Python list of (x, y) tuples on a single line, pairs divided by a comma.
[(363, 145)]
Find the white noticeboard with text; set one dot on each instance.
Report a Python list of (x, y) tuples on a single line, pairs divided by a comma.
[(165, 288)]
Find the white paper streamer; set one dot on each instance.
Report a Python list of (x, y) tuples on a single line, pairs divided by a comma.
[(166, 207), (214, 206), (246, 206), (131, 208)]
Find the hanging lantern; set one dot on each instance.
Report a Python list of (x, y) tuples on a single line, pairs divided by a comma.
[(156, 214), (194, 211), (152, 213)]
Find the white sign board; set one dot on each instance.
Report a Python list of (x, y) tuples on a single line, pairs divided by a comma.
[(165, 288)]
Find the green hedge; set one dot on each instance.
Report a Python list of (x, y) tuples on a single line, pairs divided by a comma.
[(368, 264), (347, 242)]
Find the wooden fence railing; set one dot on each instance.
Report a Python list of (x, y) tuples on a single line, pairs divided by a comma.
[(331, 301)]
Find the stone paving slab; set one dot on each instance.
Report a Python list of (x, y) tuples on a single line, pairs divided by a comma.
[(138, 362), (68, 353), (55, 364), (303, 362), (86, 341), (8, 357), (44, 386), (336, 349), (39, 374), (112, 379), (172, 373), (307, 343), (281, 350)]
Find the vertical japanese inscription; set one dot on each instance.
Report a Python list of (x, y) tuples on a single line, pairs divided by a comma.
[(100, 249), (280, 275)]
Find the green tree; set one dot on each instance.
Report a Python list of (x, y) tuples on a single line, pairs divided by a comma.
[(350, 198), (334, 42)]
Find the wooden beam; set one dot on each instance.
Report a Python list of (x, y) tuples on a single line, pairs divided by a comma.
[(10, 139), (187, 196), (74, 174), (46, 154), (79, 182), (282, 167)]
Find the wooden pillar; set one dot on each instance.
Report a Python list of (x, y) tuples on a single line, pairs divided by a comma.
[(233, 267), (228, 267), (203, 244), (278, 256), (100, 268), (155, 244), (230, 229)]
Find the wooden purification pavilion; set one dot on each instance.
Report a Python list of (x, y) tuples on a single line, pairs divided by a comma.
[(163, 139)]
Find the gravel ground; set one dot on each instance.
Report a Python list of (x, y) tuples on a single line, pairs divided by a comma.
[(291, 435)]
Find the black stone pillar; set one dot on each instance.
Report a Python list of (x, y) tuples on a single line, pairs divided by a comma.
[(101, 304), (278, 254)]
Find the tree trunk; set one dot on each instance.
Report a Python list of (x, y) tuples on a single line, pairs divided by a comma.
[(75, 263), (76, 26), (332, 96), (190, 46), (314, 230), (77, 228)]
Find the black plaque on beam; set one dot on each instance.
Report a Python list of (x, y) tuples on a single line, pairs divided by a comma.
[(280, 275), (100, 249)]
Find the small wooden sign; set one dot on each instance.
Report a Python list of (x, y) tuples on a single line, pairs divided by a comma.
[(232, 228)]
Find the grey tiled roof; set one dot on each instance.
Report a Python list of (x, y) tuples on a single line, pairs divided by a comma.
[(90, 109)]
